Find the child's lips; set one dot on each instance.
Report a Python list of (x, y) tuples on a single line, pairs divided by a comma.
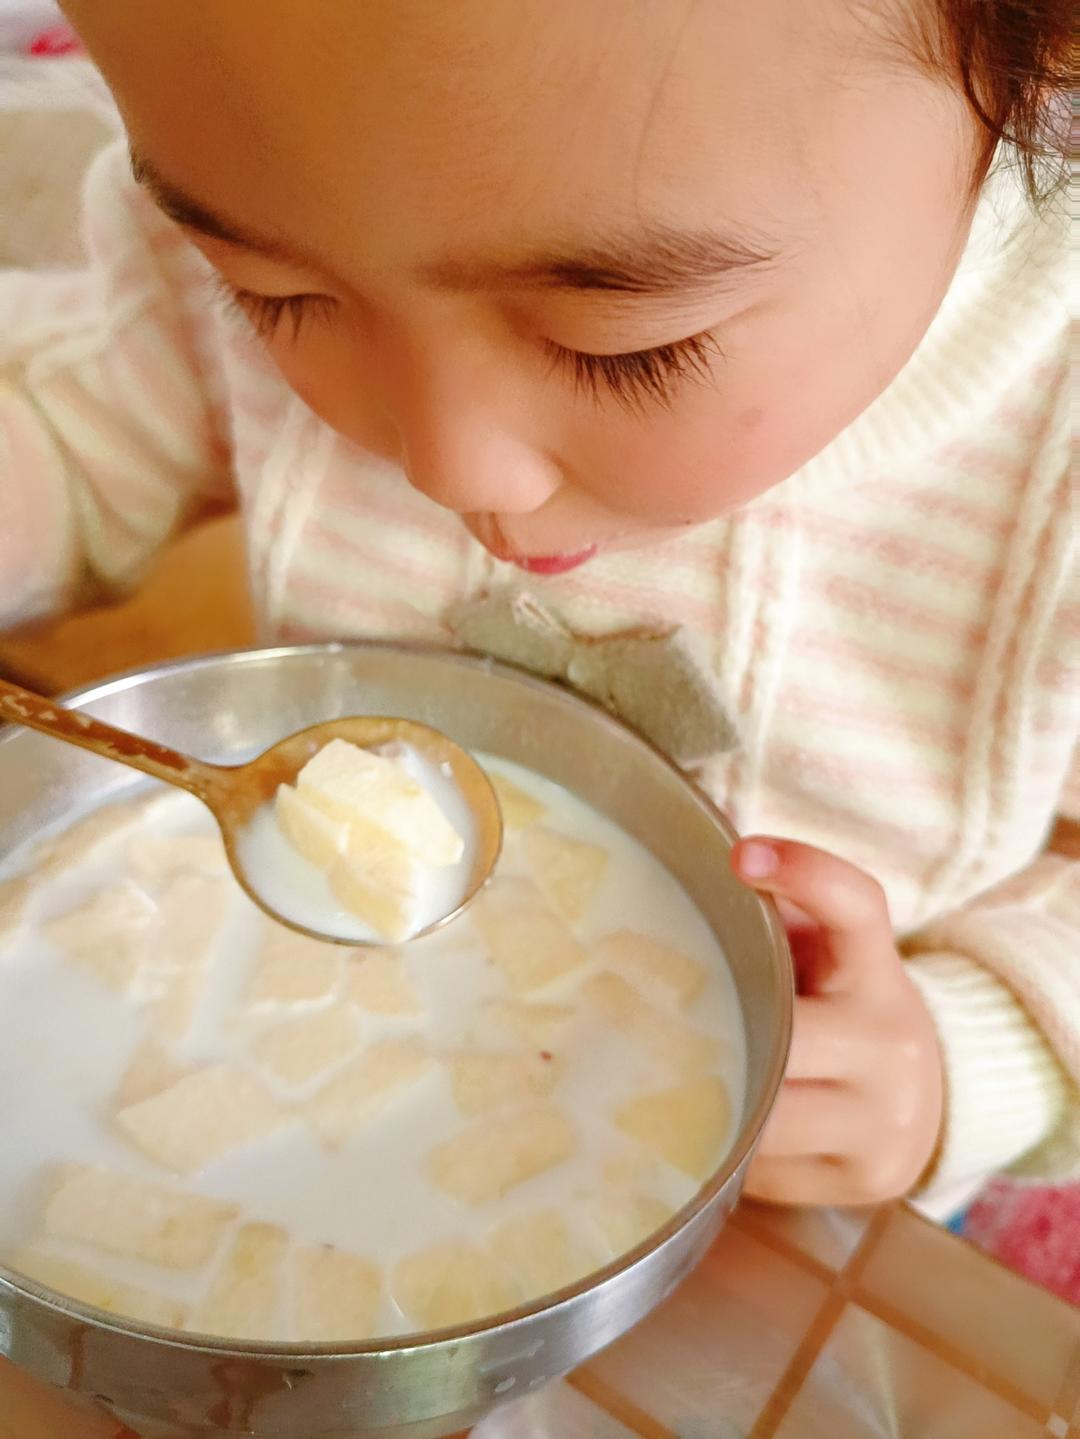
[(492, 538), (552, 564)]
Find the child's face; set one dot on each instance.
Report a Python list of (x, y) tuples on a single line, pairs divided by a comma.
[(486, 193)]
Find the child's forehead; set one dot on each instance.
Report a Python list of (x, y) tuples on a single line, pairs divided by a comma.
[(369, 123)]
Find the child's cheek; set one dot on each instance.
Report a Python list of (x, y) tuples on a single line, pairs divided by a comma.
[(338, 383)]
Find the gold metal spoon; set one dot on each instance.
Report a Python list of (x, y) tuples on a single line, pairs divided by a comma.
[(235, 793)]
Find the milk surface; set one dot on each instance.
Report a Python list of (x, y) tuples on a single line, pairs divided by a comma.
[(68, 1042)]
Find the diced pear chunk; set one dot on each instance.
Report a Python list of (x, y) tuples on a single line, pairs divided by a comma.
[(318, 838), (663, 973), (379, 883), (625, 1219), (519, 808), (363, 819), (537, 1026), (671, 1043), (365, 1085), (92, 836), (244, 1298), (202, 1117), (151, 1069), (136, 1218), (451, 1283), (568, 871), (354, 785), (191, 916), (685, 1125), (486, 1082), (108, 936), (303, 1048), (542, 1253), (292, 968), (495, 1155), (336, 1295), (525, 938)]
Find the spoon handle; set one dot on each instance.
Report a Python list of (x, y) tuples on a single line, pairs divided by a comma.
[(23, 707)]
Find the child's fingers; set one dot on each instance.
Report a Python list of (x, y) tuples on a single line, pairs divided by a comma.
[(847, 904), (799, 1181), (814, 1121), (793, 916), (826, 1043)]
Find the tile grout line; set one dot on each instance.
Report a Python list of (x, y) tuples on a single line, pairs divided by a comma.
[(844, 1288), (821, 1326), (942, 1349), (1067, 1402), (617, 1406), (785, 1248), (919, 1334)]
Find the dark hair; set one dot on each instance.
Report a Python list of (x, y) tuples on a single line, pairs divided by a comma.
[(1012, 59)]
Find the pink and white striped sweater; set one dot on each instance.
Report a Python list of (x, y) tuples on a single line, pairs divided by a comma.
[(891, 633)]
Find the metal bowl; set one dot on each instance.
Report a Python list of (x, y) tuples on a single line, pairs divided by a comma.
[(228, 707)]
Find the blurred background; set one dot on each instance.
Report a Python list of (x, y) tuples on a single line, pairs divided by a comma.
[(55, 115)]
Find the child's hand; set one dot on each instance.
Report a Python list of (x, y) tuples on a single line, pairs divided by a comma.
[(858, 1117)]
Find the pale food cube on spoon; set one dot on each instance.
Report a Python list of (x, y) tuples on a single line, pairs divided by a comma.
[(375, 830), (359, 787)]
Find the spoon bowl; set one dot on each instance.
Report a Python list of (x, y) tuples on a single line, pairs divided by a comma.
[(235, 794)]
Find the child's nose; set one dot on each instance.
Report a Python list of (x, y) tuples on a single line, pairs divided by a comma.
[(471, 465)]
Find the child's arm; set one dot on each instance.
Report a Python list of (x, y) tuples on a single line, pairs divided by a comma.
[(110, 428), (1002, 979)]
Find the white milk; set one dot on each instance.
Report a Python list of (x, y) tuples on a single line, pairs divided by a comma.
[(68, 1040), (299, 890)]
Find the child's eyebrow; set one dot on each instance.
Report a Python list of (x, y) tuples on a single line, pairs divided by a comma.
[(193, 215), (654, 260)]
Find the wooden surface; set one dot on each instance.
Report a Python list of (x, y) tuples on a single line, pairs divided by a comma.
[(31, 1410), (195, 600)]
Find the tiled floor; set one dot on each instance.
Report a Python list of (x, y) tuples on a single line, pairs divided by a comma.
[(822, 1325)]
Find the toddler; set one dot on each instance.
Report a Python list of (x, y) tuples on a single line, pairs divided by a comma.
[(707, 356)]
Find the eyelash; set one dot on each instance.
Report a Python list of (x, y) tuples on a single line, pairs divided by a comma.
[(634, 379), (267, 312), (639, 377)]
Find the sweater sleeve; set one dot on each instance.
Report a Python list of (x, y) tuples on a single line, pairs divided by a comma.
[(111, 433), (1002, 979)]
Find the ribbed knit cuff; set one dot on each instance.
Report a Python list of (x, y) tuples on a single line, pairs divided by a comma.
[(1005, 1091)]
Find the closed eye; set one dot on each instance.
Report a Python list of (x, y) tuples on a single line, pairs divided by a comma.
[(269, 312), (635, 378), (639, 377)]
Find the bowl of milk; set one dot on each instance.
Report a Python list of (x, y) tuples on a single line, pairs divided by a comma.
[(254, 1183)]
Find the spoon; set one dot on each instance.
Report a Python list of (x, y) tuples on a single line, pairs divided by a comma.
[(234, 794)]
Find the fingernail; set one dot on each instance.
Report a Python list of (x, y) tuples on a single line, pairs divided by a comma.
[(757, 860)]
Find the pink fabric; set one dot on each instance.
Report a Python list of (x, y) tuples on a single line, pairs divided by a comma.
[(1033, 1229), (56, 40)]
